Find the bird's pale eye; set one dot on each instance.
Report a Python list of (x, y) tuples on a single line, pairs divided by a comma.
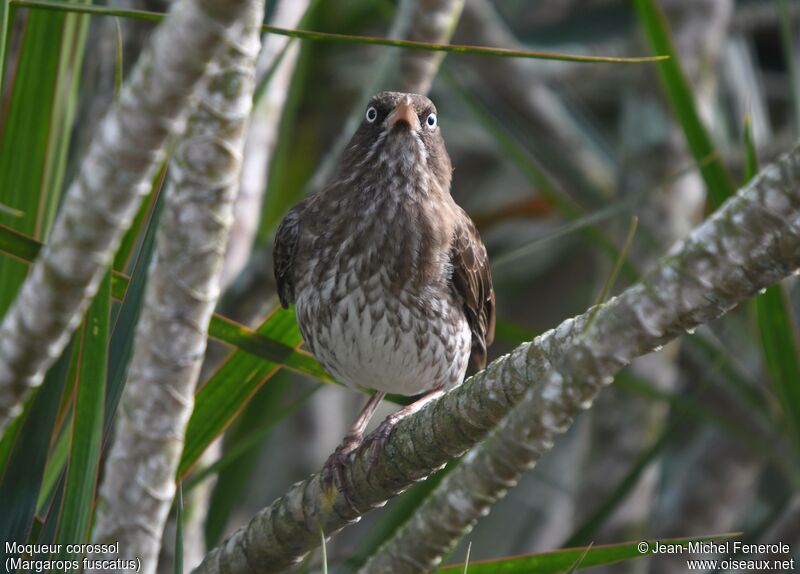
[(431, 121), (372, 114)]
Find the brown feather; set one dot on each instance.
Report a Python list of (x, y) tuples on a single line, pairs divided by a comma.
[(472, 283), (284, 251)]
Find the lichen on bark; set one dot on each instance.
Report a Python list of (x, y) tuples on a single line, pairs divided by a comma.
[(100, 203)]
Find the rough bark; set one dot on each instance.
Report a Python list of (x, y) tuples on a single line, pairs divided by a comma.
[(102, 200), (750, 243), (182, 291), (262, 135), (696, 282)]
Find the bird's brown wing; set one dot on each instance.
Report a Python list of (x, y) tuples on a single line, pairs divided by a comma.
[(283, 253), (472, 284)]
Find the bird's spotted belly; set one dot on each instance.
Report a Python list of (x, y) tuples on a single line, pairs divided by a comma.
[(398, 343)]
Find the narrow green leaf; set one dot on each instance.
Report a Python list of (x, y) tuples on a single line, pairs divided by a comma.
[(120, 346), (26, 139), (264, 345), (601, 513), (5, 8), (134, 233), (119, 70), (347, 38), (781, 352), (19, 489), (17, 245), (87, 425), (324, 551), (219, 401), (579, 561), (221, 328), (56, 462), (65, 103), (11, 211), (45, 533), (247, 443), (555, 562), (750, 154), (235, 468), (779, 339), (10, 436), (676, 85), (179, 530)]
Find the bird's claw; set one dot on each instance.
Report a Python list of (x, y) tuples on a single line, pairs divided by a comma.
[(333, 477), (377, 440)]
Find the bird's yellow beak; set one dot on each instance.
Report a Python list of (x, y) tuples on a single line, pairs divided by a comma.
[(404, 112)]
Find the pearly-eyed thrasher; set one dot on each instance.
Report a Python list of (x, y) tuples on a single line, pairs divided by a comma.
[(389, 277)]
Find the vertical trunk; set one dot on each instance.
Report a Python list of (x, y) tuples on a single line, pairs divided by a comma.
[(183, 287)]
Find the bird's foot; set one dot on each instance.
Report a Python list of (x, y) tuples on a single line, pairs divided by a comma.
[(378, 438), (333, 477)]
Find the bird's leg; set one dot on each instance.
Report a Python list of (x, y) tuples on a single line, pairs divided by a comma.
[(355, 436), (333, 469), (380, 435)]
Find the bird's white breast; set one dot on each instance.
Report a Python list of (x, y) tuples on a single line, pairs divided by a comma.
[(372, 337)]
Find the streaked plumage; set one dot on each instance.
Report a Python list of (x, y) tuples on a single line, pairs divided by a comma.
[(389, 277)]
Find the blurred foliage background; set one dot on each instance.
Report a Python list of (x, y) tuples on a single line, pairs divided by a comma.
[(552, 159)]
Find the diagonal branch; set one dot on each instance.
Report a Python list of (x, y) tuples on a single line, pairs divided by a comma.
[(182, 290), (750, 243), (100, 203)]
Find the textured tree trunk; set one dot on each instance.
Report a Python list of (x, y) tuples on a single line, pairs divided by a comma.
[(100, 203), (751, 242), (182, 291), (262, 133)]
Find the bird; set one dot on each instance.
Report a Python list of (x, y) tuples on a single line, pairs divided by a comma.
[(389, 277)]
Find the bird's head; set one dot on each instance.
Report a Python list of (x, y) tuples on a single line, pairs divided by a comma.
[(400, 133)]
